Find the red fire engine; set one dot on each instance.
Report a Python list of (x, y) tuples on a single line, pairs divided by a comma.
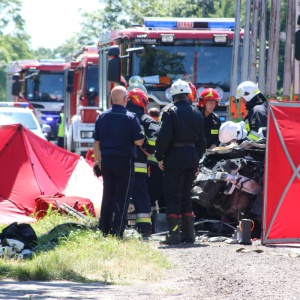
[(81, 99), (163, 50), (41, 83)]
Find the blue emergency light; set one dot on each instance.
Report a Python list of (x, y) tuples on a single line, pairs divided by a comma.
[(160, 24), (14, 104), (190, 23)]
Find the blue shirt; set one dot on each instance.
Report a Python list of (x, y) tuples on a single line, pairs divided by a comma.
[(117, 129)]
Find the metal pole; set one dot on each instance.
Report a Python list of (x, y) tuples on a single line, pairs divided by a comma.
[(235, 50), (253, 45), (246, 43), (288, 64), (262, 47), (296, 63)]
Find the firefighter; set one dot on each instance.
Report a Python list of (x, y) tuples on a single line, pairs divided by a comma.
[(154, 113), (117, 132), (137, 102), (180, 145), (256, 105), (155, 178), (192, 97), (61, 128), (208, 100), (231, 132)]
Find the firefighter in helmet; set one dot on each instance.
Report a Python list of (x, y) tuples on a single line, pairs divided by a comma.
[(231, 132), (193, 94), (208, 100), (192, 98), (179, 146), (256, 105), (137, 102)]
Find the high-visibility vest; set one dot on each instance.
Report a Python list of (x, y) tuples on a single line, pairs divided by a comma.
[(61, 128)]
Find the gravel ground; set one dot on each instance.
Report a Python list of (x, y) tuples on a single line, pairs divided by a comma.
[(205, 270)]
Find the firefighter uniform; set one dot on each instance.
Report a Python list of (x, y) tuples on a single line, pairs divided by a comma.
[(180, 145), (116, 129), (140, 197), (257, 113), (212, 125)]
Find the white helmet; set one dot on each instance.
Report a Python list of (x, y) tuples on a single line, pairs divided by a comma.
[(180, 87), (232, 131), (247, 90)]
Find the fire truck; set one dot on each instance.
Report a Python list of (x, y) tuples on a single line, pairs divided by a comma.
[(41, 83), (162, 50), (81, 99)]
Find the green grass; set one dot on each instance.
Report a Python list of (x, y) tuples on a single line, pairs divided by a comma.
[(82, 254)]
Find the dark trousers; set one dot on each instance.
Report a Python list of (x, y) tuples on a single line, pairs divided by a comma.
[(177, 189), (155, 182), (60, 141), (140, 197), (118, 179)]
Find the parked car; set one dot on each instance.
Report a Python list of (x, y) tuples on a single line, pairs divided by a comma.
[(19, 112)]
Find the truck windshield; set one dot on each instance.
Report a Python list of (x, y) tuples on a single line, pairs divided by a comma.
[(92, 82), (47, 87), (200, 64)]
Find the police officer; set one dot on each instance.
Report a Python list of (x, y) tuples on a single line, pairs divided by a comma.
[(256, 105), (117, 131), (179, 146), (137, 103), (208, 100)]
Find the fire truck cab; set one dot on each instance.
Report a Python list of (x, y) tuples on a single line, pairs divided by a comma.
[(163, 50), (81, 99), (41, 83)]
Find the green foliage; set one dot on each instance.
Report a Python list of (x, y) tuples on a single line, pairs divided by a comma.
[(10, 15)]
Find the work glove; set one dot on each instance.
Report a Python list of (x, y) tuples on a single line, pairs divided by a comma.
[(97, 171)]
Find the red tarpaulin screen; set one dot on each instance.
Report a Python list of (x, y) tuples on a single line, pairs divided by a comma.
[(281, 208)]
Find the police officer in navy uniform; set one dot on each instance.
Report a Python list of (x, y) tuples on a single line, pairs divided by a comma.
[(117, 132), (256, 105), (179, 146), (208, 100), (137, 103)]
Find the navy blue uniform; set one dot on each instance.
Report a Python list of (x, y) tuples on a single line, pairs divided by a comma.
[(116, 129), (140, 197), (180, 144)]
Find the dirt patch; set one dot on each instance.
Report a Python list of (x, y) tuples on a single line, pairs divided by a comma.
[(205, 270)]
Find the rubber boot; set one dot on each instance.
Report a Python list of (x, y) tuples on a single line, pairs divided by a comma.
[(173, 237), (187, 227)]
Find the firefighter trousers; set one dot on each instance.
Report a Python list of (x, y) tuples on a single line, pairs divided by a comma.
[(141, 201), (177, 190), (155, 186)]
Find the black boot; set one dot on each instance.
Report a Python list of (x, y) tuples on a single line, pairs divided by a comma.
[(145, 230), (188, 230), (173, 238)]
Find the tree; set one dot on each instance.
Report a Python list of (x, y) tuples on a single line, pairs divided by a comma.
[(10, 15)]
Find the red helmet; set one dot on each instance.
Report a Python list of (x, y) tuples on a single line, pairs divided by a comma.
[(193, 94), (206, 95), (138, 97)]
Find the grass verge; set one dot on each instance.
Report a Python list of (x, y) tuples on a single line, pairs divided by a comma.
[(82, 254)]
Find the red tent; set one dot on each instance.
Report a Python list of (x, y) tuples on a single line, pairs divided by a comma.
[(281, 222), (31, 166)]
